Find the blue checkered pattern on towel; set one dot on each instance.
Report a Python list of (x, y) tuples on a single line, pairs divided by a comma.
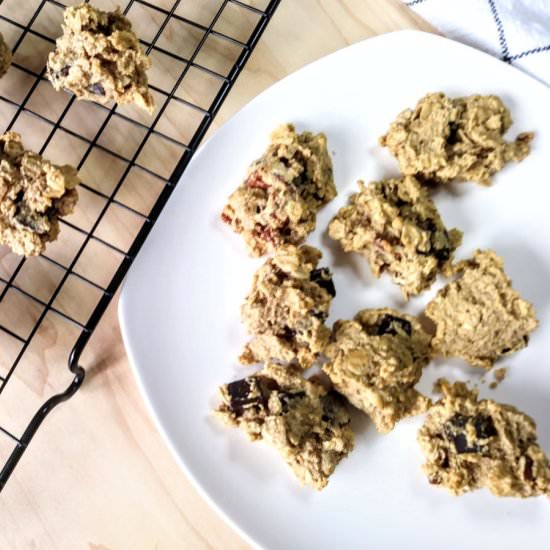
[(516, 31)]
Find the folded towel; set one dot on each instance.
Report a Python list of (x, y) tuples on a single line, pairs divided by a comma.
[(516, 31)]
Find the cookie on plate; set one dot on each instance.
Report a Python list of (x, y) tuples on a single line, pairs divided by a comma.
[(375, 362), (470, 443), (396, 226), (287, 307), (34, 193), (308, 425), (99, 57), (479, 316), (277, 204), (446, 139)]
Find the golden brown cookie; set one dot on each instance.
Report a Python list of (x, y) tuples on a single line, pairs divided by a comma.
[(34, 194), (396, 226), (287, 308), (471, 443), (376, 360), (99, 58), (308, 425), (277, 204), (445, 139), (5, 56), (479, 316)]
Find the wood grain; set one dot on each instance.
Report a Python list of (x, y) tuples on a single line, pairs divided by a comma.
[(97, 475)]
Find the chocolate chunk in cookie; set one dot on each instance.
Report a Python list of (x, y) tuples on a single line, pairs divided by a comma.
[(323, 278)]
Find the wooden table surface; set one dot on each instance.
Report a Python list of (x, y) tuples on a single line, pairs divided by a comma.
[(97, 476)]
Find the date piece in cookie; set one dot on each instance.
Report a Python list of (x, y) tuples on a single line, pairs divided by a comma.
[(445, 139), (479, 316), (376, 360), (471, 443), (278, 202), (5, 56), (34, 193), (287, 308), (397, 227), (99, 58), (308, 425)]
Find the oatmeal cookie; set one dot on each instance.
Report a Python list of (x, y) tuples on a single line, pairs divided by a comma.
[(479, 316), (278, 202), (308, 425), (376, 360), (34, 193), (397, 227), (99, 58), (5, 56), (471, 443), (445, 139), (287, 308)]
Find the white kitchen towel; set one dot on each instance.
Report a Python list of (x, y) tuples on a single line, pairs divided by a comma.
[(516, 31)]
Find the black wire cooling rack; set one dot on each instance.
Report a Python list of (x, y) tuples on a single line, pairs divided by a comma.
[(129, 164)]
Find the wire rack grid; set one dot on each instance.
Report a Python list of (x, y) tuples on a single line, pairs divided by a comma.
[(129, 164)]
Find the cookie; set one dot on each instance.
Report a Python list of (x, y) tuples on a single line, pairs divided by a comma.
[(375, 362), (446, 139), (287, 307), (396, 226), (5, 56), (277, 204), (34, 194), (99, 58), (308, 425), (470, 443), (479, 316)]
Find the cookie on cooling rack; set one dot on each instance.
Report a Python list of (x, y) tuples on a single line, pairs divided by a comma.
[(34, 194), (99, 58), (5, 56)]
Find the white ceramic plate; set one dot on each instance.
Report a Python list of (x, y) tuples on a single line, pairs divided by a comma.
[(180, 306)]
